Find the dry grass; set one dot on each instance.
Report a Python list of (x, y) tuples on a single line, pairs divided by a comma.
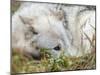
[(14, 6), (22, 64)]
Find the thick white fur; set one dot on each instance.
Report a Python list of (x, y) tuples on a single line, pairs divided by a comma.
[(48, 20)]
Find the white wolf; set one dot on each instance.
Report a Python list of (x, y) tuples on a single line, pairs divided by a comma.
[(51, 26)]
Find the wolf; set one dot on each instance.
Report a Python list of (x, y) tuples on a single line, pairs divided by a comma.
[(56, 27)]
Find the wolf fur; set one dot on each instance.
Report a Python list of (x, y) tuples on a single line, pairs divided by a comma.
[(41, 25)]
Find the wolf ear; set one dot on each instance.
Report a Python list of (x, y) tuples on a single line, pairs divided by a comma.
[(60, 15), (26, 20)]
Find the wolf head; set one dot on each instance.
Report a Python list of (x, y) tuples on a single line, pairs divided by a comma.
[(46, 31), (42, 27)]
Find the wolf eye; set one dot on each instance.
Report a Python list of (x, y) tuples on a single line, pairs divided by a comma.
[(57, 48), (33, 31)]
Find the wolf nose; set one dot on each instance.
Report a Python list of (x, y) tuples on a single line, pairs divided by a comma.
[(36, 57), (57, 48)]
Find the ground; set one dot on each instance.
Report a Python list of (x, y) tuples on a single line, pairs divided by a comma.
[(22, 64)]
